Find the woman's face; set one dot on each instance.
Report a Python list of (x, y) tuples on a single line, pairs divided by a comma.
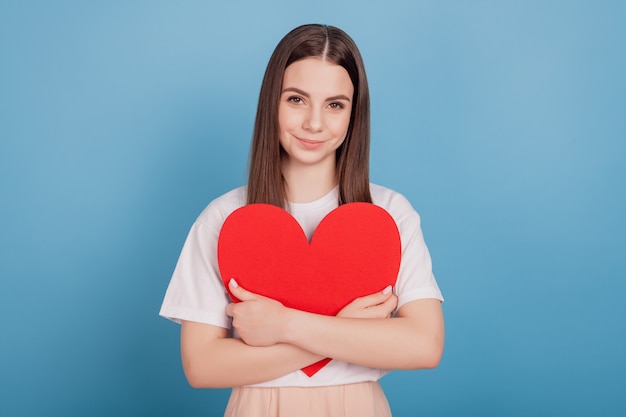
[(314, 111)]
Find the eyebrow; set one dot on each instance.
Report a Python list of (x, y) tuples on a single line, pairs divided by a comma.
[(305, 94)]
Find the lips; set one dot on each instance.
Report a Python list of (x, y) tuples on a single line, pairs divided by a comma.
[(310, 144)]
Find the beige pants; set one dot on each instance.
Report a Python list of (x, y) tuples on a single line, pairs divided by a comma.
[(365, 399)]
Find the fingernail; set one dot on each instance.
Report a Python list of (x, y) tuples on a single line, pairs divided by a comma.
[(387, 290), (233, 283)]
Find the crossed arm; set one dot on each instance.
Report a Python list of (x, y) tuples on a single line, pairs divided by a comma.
[(276, 340)]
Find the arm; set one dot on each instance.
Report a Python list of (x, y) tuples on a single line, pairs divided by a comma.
[(213, 360), (412, 340)]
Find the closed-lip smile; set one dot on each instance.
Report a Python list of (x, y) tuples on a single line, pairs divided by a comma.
[(309, 140), (310, 144)]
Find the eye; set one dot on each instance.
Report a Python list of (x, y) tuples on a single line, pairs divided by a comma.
[(336, 106), (295, 99)]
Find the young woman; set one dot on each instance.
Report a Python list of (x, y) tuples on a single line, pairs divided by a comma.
[(310, 152)]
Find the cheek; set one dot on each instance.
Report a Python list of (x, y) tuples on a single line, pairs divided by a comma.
[(285, 125), (340, 126), (281, 120), (286, 119)]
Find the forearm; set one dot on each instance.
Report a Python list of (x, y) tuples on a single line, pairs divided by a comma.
[(412, 341), (227, 362)]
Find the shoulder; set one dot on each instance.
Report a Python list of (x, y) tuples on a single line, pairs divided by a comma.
[(220, 208), (395, 203)]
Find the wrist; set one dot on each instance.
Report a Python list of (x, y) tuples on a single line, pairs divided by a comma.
[(290, 326)]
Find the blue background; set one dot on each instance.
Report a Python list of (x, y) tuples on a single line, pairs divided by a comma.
[(503, 123)]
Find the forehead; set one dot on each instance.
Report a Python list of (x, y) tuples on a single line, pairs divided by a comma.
[(318, 77)]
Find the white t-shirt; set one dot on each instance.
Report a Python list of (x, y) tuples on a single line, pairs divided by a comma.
[(196, 291)]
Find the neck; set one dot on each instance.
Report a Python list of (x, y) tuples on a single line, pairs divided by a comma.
[(306, 183)]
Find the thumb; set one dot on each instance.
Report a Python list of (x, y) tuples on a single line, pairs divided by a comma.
[(241, 293)]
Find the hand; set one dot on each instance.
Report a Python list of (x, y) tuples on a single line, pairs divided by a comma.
[(259, 320), (378, 305)]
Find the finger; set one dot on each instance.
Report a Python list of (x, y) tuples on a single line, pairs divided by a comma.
[(229, 309), (392, 302), (389, 306), (384, 309), (241, 293), (375, 299)]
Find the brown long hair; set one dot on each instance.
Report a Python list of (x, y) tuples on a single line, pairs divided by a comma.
[(266, 183)]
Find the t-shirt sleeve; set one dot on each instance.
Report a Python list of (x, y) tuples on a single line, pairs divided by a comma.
[(196, 292), (415, 279)]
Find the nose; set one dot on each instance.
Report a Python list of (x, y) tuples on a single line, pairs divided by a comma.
[(313, 120)]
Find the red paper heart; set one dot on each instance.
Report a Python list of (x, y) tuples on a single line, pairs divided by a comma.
[(355, 251)]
